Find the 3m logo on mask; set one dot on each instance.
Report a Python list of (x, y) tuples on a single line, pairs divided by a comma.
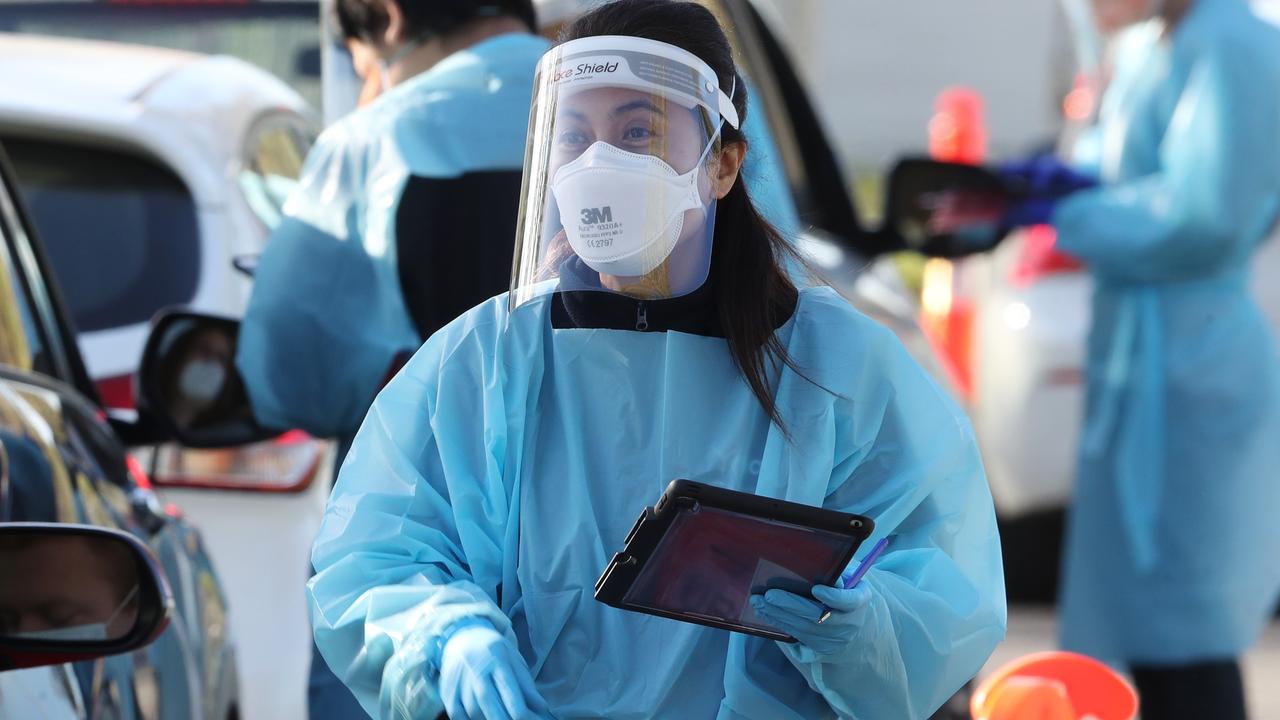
[(594, 216)]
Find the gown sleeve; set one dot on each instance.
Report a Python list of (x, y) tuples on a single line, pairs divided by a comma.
[(907, 457), (321, 331), (412, 541), (1211, 193)]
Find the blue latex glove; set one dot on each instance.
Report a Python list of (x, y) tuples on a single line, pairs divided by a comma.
[(1043, 176), (798, 616), (483, 677)]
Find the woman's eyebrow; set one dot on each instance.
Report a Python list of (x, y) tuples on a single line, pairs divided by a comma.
[(637, 105)]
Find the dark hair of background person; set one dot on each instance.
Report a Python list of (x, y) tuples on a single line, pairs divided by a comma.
[(754, 295), (365, 20)]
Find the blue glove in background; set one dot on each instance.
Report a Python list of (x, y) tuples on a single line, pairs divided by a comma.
[(1030, 211), (1043, 176), (798, 616), (483, 677)]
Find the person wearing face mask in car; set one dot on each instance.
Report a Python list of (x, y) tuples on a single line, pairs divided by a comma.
[(1171, 566), (651, 333)]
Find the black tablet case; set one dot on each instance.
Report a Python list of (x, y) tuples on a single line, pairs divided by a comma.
[(701, 551)]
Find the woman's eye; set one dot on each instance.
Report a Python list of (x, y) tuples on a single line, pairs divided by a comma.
[(573, 138), (638, 133)]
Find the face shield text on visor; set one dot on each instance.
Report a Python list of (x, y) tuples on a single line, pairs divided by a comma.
[(618, 193)]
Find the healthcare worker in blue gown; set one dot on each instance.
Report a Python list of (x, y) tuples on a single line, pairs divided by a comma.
[(1171, 565), (651, 334), (368, 260)]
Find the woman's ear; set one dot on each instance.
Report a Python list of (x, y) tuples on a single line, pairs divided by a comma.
[(393, 35), (728, 167)]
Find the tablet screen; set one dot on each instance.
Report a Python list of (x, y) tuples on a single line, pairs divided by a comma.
[(710, 561)]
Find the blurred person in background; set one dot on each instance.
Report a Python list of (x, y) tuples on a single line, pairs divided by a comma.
[(1171, 564), (403, 218)]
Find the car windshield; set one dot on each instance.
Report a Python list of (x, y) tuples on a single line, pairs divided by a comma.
[(120, 230), (273, 160), (281, 37), (20, 343)]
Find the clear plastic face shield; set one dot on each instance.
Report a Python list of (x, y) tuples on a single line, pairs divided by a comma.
[(624, 140)]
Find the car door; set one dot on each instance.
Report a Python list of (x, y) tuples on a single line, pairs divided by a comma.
[(67, 465), (813, 173), (834, 241)]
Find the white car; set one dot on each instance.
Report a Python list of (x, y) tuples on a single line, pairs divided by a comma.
[(147, 172), (1029, 319)]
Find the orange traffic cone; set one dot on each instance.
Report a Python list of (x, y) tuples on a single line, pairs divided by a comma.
[(958, 130), (1054, 686)]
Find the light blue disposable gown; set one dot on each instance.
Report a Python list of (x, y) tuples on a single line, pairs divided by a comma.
[(1172, 550), (500, 470), (327, 316)]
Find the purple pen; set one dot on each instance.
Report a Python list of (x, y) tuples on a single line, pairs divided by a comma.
[(861, 570)]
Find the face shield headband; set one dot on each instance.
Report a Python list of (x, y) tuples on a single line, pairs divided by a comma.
[(619, 207)]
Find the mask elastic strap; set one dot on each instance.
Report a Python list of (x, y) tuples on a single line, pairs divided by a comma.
[(705, 152)]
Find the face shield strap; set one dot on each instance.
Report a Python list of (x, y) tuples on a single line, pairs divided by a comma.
[(726, 101), (728, 112)]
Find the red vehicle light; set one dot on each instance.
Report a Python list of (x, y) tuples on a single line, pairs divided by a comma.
[(287, 464), (947, 322), (137, 473), (116, 392)]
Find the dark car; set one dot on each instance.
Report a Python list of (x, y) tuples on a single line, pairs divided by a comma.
[(73, 504)]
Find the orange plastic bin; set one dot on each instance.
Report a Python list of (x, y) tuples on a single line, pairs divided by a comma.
[(1055, 686)]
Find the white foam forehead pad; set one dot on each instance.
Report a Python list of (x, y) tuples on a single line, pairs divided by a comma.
[(639, 63)]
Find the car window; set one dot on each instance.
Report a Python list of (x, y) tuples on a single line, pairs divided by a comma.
[(272, 162), (120, 230), (21, 346), (817, 182)]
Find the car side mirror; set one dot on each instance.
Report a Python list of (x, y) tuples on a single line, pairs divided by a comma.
[(944, 209), (188, 382), (75, 592)]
